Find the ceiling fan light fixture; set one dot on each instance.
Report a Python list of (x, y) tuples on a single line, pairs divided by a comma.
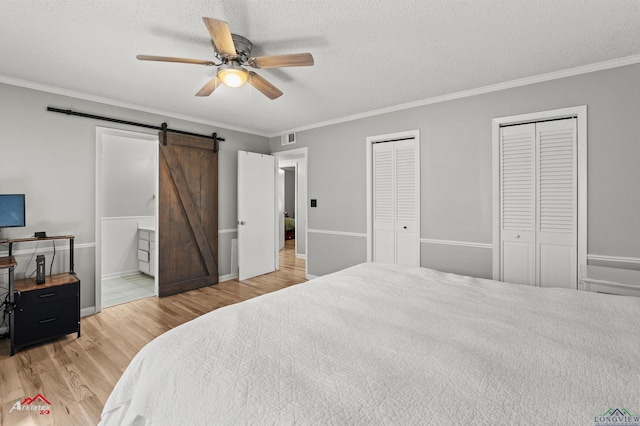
[(232, 75), (233, 52)]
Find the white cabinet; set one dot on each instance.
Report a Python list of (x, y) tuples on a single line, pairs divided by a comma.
[(147, 251)]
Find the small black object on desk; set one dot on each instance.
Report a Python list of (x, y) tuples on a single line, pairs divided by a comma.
[(40, 269)]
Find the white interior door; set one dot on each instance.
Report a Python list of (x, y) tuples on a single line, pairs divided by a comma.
[(256, 214)]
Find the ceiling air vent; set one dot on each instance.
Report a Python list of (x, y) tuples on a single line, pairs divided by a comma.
[(288, 139)]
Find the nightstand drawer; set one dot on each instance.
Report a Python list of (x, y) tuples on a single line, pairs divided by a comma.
[(45, 321), (48, 295)]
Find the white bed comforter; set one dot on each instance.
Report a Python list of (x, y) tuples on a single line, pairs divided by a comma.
[(382, 344)]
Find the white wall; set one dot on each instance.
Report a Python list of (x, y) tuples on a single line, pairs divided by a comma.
[(456, 165), (129, 170), (120, 245), (127, 183)]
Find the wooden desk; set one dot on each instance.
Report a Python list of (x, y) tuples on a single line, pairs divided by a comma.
[(45, 311)]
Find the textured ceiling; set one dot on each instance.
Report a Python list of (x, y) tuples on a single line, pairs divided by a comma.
[(369, 55)]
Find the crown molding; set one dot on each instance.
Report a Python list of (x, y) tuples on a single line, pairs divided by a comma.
[(113, 102), (585, 69)]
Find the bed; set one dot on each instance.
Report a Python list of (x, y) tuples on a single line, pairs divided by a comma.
[(289, 228), (384, 344)]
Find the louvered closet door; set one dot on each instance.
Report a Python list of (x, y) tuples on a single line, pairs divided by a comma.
[(557, 256), (383, 200), (518, 193), (539, 203), (406, 197), (395, 197)]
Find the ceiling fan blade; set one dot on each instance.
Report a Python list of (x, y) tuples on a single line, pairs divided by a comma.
[(277, 61), (267, 89), (171, 59), (208, 88), (221, 37)]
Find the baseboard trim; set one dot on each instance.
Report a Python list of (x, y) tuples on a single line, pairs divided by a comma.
[(227, 277), (310, 277), (121, 274), (85, 312)]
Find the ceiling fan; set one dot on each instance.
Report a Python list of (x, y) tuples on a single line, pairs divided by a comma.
[(234, 52)]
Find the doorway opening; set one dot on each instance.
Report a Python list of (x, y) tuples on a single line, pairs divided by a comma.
[(292, 231), (126, 216)]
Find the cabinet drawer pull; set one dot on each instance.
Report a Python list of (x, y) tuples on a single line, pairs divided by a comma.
[(48, 294), (48, 320)]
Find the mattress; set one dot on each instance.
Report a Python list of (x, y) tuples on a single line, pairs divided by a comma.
[(385, 344)]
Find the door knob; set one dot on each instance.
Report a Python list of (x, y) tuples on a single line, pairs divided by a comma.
[(517, 235), (242, 222)]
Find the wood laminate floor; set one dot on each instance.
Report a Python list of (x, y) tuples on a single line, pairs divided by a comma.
[(76, 375)]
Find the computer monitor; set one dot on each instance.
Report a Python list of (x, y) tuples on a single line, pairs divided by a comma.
[(12, 210)]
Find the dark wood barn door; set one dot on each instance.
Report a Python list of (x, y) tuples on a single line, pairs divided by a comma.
[(188, 214)]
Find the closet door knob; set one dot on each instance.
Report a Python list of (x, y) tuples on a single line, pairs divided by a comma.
[(517, 235), (242, 222)]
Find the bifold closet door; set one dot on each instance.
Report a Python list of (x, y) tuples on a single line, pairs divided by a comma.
[(557, 208), (518, 201), (396, 236), (538, 184)]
